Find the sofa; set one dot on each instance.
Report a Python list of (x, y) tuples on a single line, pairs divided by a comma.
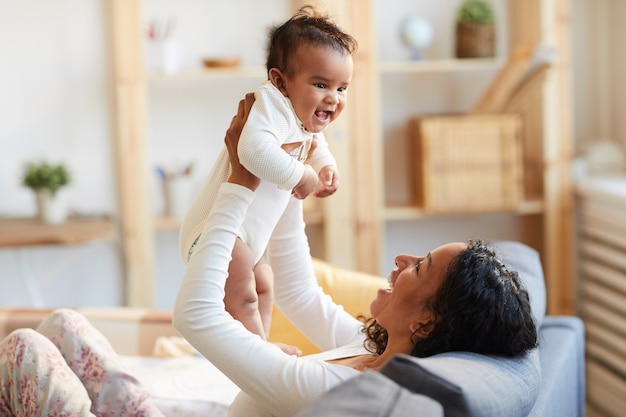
[(547, 382)]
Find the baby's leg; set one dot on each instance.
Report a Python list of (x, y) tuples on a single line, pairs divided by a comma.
[(36, 381), (112, 390), (264, 278), (241, 299)]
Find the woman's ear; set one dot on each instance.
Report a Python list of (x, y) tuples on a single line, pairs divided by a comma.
[(422, 328), (277, 78)]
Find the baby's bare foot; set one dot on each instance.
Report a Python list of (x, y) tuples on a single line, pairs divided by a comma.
[(289, 349)]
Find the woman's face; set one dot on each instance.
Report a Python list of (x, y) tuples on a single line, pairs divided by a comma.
[(416, 279)]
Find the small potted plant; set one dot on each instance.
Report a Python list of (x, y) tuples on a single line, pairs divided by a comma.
[(47, 180), (475, 30)]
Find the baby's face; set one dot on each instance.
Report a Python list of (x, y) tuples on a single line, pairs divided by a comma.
[(318, 87)]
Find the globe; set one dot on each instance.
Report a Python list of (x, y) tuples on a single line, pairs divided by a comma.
[(417, 33)]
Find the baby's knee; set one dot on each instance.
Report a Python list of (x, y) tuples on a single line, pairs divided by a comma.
[(247, 298), (264, 278)]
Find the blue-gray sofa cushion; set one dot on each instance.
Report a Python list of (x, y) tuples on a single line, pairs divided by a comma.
[(468, 384)]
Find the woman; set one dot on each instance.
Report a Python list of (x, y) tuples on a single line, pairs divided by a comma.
[(457, 297)]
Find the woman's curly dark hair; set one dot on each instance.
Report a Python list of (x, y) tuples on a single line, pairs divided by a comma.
[(481, 307), (307, 27)]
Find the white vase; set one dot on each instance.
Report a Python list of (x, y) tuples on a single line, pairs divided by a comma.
[(51, 208), (177, 192)]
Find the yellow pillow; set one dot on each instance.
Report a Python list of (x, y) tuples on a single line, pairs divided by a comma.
[(353, 290)]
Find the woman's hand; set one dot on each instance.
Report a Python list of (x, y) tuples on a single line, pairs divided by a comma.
[(238, 173)]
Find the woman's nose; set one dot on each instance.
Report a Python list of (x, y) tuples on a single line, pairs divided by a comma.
[(402, 261)]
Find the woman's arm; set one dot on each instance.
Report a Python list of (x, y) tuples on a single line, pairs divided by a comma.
[(296, 291)]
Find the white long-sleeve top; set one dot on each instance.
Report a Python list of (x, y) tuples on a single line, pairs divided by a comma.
[(272, 122), (273, 383)]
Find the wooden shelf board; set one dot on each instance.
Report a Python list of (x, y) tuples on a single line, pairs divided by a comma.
[(400, 213), (390, 67), (17, 232), (439, 65)]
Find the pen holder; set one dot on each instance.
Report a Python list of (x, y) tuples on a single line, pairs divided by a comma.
[(177, 192), (163, 55)]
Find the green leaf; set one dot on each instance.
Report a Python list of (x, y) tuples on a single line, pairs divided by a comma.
[(43, 175), (475, 11)]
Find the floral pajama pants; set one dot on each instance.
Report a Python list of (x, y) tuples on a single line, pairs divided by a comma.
[(67, 368)]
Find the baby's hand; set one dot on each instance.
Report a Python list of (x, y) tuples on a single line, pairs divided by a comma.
[(307, 183), (328, 181)]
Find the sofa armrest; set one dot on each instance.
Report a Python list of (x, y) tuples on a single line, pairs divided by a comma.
[(562, 357), (131, 331)]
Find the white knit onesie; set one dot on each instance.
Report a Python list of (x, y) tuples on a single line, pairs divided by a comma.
[(272, 122)]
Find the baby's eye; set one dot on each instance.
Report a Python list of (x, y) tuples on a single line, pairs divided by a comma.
[(417, 265), (320, 85), (342, 89)]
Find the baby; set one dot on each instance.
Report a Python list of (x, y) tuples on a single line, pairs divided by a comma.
[(309, 67)]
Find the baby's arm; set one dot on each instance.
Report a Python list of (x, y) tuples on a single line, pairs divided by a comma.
[(270, 123), (324, 163)]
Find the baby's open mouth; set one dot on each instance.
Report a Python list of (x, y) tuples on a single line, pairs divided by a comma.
[(322, 114)]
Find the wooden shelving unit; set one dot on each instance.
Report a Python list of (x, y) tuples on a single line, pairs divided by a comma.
[(354, 222), (546, 214)]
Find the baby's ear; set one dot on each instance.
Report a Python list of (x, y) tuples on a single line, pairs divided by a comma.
[(277, 78)]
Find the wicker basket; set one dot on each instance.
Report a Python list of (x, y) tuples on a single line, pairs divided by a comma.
[(468, 163), (474, 40)]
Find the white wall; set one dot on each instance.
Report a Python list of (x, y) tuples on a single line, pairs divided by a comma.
[(599, 62), (54, 100), (54, 104)]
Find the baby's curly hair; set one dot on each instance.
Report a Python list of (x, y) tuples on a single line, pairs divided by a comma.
[(307, 27), (481, 307)]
